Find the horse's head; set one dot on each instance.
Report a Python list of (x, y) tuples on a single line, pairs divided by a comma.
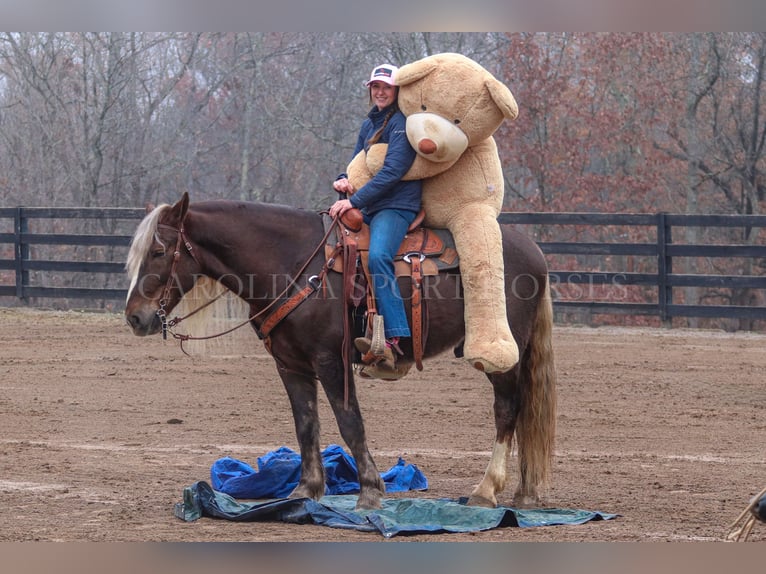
[(161, 266)]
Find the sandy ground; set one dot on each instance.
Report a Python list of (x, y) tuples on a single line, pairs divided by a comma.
[(100, 431)]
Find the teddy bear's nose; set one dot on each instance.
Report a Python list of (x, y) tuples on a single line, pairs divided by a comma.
[(427, 146)]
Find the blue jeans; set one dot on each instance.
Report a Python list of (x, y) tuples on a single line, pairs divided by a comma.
[(387, 230)]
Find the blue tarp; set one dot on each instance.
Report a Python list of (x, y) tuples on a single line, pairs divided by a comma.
[(279, 471), (396, 516)]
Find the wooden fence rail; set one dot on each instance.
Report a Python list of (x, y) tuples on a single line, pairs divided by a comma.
[(22, 238), (664, 281), (43, 251)]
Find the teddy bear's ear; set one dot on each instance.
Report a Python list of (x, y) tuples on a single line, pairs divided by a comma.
[(503, 98), (413, 72)]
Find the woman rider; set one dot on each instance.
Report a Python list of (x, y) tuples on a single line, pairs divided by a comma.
[(389, 206)]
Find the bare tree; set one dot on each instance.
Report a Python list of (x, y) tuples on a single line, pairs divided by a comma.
[(85, 105)]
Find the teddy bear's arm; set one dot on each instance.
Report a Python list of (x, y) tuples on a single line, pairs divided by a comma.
[(398, 159)]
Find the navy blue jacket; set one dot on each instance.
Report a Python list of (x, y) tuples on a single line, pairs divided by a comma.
[(386, 190)]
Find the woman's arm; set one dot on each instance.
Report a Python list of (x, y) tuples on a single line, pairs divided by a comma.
[(399, 158)]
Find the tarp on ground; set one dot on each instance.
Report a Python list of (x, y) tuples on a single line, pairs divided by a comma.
[(396, 516), (241, 493), (279, 471)]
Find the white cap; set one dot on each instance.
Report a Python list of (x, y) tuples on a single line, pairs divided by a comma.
[(383, 73)]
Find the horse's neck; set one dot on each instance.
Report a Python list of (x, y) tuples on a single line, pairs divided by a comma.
[(255, 252)]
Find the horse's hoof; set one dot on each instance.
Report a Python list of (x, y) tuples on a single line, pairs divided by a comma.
[(524, 501), (304, 492), (369, 502), (475, 500)]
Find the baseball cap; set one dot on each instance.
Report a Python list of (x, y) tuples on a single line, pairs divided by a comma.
[(383, 73)]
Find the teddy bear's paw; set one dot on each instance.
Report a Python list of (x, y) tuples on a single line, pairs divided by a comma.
[(357, 171), (492, 358)]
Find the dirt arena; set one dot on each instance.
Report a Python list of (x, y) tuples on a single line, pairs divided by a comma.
[(100, 432)]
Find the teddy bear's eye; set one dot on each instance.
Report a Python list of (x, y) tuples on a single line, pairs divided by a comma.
[(456, 121), (423, 107)]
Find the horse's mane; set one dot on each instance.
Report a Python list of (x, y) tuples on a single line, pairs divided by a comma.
[(142, 241)]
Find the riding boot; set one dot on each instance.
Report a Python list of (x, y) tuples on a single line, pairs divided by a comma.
[(383, 373), (386, 359), (384, 367)]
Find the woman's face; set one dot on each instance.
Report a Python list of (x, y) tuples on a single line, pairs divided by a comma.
[(382, 94)]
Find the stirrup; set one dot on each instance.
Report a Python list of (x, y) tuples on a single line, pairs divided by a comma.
[(378, 346)]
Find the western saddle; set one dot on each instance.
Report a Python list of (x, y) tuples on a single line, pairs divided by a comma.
[(424, 252)]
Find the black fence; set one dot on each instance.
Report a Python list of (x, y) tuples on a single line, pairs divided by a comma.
[(619, 264), (727, 250), (65, 253)]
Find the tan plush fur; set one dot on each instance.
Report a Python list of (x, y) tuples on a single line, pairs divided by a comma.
[(453, 106)]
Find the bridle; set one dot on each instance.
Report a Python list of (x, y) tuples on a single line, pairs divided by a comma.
[(180, 238)]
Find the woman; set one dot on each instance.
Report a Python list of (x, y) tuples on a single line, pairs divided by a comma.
[(389, 206)]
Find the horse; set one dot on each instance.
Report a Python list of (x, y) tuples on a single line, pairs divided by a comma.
[(265, 253)]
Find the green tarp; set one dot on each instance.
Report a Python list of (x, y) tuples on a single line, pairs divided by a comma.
[(396, 516)]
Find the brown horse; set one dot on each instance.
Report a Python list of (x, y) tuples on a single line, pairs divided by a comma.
[(265, 253)]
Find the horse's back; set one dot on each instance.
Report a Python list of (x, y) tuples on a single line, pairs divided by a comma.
[(522, 255)]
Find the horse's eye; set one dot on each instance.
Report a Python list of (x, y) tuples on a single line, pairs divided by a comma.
[(158, 253)]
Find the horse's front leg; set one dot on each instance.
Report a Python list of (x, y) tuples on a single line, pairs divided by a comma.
[(302, 392), (351, 426)]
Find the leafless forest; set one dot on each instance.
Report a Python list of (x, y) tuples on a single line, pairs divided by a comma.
[(609, 122)]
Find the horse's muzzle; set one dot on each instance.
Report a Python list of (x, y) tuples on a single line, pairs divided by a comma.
[(143, 322)]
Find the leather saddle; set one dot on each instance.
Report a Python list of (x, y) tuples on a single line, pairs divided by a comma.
[(423, 252), (434, 247)]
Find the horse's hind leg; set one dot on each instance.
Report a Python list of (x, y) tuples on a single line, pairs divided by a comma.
[(525, 407), (506, 412), (302, 392)]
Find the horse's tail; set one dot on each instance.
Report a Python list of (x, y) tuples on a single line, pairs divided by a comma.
[(536, 425)]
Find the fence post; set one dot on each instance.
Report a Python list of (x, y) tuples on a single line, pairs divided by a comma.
[(21, 252), (664, 268)]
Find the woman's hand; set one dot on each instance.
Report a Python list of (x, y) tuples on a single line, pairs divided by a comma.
[(340, 207), (343, 186)]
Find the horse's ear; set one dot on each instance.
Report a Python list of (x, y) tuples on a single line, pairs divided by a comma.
[(179, 209), (149, 208), (184, 201)]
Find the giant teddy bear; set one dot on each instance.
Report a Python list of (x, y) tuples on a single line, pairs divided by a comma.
[(453, 106)]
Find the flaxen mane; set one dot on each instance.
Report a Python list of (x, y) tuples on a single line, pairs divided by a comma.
[(142, 241)]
